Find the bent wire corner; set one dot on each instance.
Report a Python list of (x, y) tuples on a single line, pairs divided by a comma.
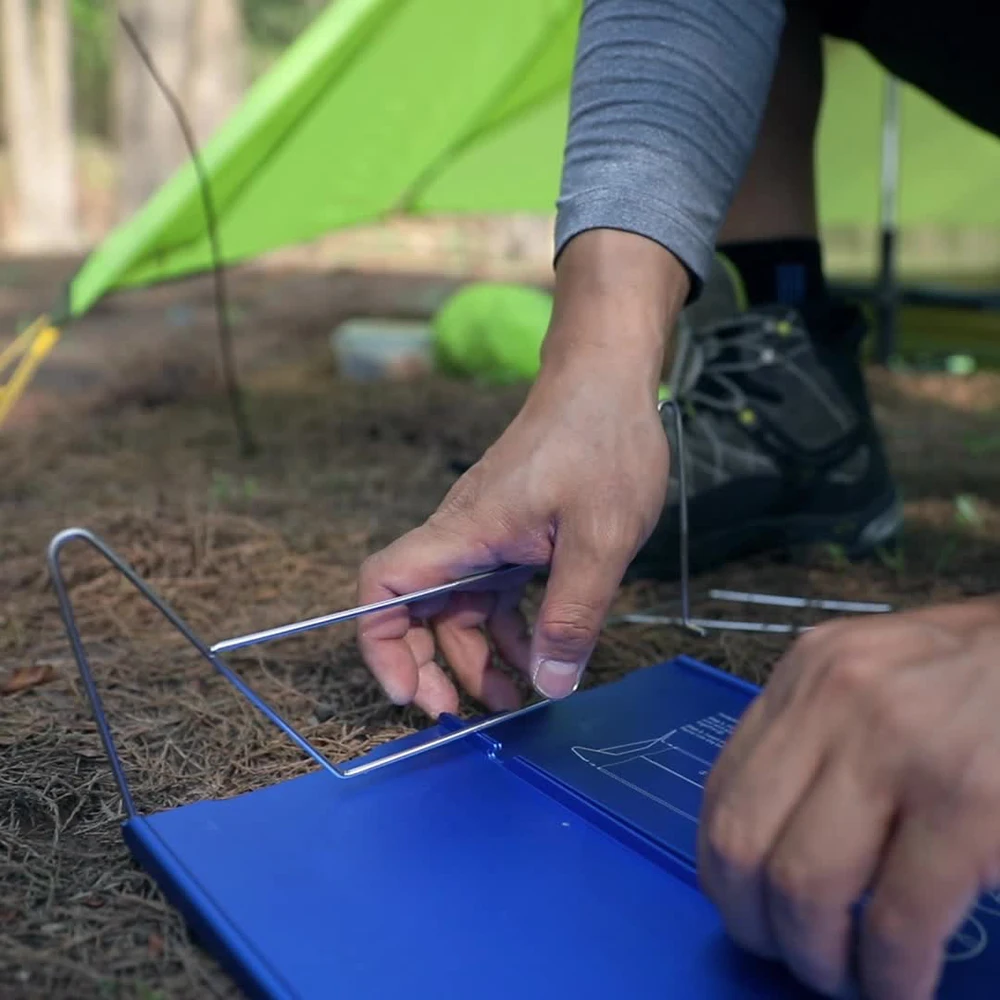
[(56, 546), (702, 626)]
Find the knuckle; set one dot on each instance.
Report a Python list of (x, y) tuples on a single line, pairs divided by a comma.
[(962, 779), (486, 528), (899, 722), (889, 923), (569, 625), (851, 674), (732, 848), (793, 881), (808, 643)]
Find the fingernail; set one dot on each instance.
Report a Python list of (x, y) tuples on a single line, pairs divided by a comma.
[(398, 691), (397, 696), (556, 678)]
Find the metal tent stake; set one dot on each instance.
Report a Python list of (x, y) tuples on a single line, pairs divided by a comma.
[(696, 627)]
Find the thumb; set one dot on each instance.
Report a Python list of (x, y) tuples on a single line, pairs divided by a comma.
[(583, 580)]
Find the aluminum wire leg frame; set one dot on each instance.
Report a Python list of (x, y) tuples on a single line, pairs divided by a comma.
[(211, 654), (701, 626)]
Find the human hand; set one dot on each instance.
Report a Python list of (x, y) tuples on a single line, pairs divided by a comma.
[(575, 483), (868, 767)]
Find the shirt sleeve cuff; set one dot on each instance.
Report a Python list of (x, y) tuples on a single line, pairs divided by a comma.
[(620, 211)]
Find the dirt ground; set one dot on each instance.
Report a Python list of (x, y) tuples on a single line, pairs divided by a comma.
[(127, 433)]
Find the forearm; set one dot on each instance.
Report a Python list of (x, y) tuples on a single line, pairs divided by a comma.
[(616, 293), (666, 101)]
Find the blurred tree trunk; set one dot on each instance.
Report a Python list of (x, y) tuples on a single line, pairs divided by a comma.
[(39, 124), (150, 144), (57, 61), (218, 71), (24, 138), (198, 48)]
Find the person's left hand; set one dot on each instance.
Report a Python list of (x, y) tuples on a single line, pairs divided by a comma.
[(869, 766)]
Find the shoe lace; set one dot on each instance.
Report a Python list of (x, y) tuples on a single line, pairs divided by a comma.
[(714, 359)]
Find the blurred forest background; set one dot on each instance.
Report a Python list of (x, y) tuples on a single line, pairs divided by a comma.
[(86, 137), (86, 134)]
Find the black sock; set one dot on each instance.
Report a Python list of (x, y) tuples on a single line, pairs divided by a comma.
[(779, 272)]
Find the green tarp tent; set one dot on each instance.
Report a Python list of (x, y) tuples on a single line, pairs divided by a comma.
[(450, 106)]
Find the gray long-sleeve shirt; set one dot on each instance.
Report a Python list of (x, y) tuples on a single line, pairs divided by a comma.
[(666, 101)]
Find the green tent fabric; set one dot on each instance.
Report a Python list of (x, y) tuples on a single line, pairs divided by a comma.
[(448, 106), (949, 170), (380, 107)]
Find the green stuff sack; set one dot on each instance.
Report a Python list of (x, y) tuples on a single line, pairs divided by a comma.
[(491, 332)]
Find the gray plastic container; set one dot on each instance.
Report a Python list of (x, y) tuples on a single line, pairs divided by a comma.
[(371, 350)]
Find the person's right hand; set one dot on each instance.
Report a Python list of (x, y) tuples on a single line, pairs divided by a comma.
[(575, 483)]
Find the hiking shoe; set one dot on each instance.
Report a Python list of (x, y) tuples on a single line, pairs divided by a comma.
[(781, 450)]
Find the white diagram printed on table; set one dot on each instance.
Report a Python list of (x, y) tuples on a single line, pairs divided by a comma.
[(669, 769), (968, 942)]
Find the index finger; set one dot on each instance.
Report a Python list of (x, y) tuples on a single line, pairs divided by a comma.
[(421, 559)]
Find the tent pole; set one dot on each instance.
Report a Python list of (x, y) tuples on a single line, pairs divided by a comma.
[(886, 299)]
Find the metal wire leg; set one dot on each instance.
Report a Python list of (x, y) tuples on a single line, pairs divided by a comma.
[(491, 577), (210, 655), (72, 630), (820, 603), (683, 541)]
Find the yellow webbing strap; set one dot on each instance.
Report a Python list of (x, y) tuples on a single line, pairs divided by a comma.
[(29, 349)]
